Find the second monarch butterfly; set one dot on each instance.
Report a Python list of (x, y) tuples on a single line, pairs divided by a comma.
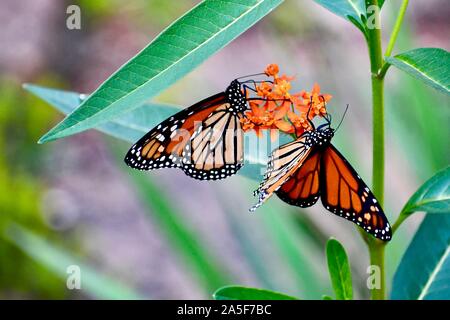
[(311, 167), (204, 140)]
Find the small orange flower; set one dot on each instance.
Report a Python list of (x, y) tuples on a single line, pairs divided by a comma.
[(280, 121), (282, 88), (272, 70), (262, 118), (279, 110), (300, 122), (264, 89), (283, 77), (316, 101)]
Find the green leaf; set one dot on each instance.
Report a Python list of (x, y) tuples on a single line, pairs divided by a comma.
[(245, 293), (57, 260), (176, 51), (138, 122), (325, 297), (129, 127), (424, 270), (351, 10), (430, 65), (432, 196), (339, 269)]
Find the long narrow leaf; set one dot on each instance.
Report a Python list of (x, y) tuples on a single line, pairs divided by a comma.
[(130, 127), (176, 51)]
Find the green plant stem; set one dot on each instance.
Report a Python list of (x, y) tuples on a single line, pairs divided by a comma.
[(376, 247), (393, 38), (376, 62), (402, 217), (396, 29), (378, 138), (378, 68), (377, 250)]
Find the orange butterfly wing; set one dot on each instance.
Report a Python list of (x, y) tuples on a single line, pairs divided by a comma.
[(215, 150), (196, 139), (345, 194), (163, 145), (302, 189)]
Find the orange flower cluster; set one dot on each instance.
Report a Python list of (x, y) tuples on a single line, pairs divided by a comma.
[(279, 110)]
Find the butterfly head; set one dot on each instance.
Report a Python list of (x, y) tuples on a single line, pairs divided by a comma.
[(235, 96), (327, 131)]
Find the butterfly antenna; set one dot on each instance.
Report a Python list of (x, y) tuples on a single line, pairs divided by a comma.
[(342, 119), (251, 75), (327, 115), (307, 114)]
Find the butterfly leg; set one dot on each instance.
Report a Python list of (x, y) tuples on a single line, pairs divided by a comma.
[(262, 197)]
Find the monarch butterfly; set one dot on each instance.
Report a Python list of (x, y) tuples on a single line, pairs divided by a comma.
[(204, 140), (311, 167)]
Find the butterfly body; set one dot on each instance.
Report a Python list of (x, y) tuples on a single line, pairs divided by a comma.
[(307, 169), (235, 98), (320, 138), (204, 140)]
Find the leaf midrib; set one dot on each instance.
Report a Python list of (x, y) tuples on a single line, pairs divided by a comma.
[(434, 274), (420, 71), (341, 275), (423, 202), (355, 8)]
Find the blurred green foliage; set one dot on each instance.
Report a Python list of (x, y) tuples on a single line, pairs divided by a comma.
[(22, 119), (30, 266), (149, 13)]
